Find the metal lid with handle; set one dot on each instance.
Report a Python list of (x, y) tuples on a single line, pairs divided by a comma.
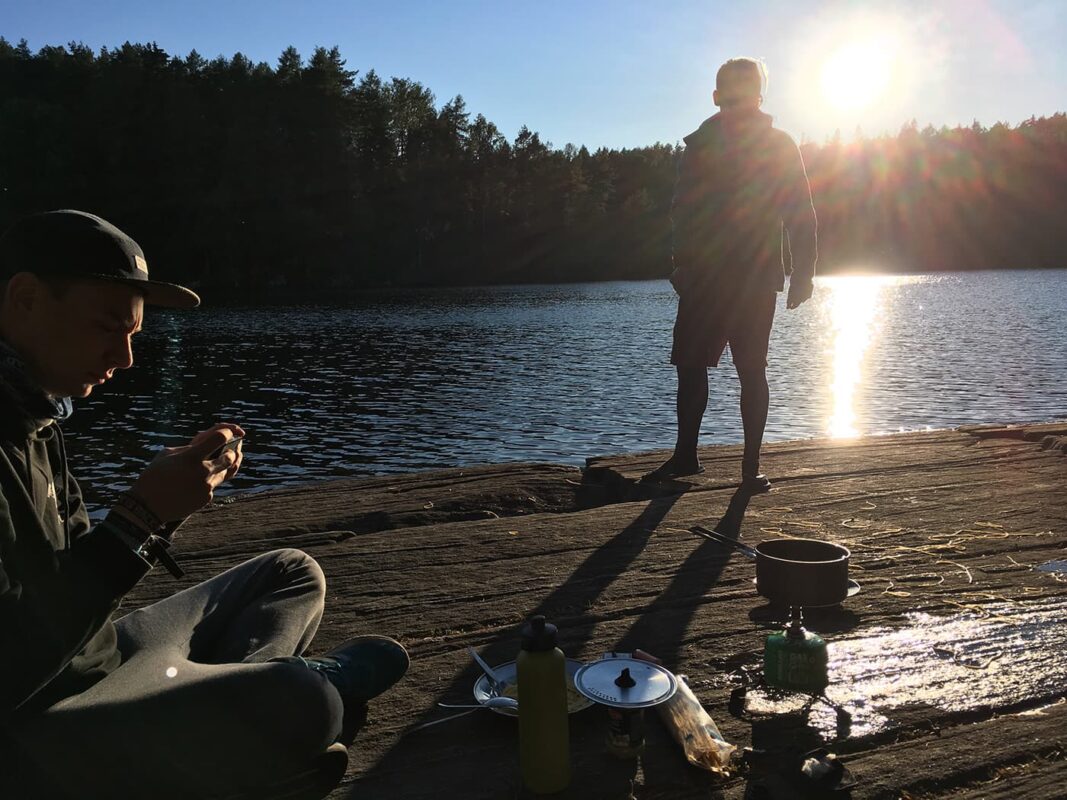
[(621, 681)]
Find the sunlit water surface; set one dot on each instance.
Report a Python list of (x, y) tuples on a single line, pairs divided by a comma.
[(443, 377), (1001, 655)]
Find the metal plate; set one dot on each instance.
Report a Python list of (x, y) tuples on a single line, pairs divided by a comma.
[(653, 683), (508, 674)]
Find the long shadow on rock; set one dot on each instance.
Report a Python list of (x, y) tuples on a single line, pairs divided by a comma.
[(661, 629), (779, 745), (477, 756), (568, 603)]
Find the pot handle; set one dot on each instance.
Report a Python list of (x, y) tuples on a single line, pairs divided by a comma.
[(715, 536)]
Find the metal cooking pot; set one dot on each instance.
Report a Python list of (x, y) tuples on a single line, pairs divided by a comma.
[(794, 572)]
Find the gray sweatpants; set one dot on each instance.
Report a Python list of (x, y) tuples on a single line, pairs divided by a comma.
[(197, 709)]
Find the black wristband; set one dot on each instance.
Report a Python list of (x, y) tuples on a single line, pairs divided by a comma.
[(154, 549), (149, 546)]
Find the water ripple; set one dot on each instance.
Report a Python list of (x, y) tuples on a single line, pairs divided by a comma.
[(422, 379)]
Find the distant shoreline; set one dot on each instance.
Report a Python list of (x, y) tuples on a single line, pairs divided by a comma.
[(333, 296)]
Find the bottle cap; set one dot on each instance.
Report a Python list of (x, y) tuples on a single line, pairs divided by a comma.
[(538, 636)]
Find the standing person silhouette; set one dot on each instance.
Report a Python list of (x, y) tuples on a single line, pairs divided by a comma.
[(742, 211)]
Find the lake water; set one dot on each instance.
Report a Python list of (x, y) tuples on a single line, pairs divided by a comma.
[(445, 377)]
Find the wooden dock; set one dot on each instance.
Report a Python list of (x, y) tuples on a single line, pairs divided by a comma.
[(949, 524)]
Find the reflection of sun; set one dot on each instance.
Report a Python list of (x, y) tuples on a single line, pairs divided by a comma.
[(854, 306), (857, 74)]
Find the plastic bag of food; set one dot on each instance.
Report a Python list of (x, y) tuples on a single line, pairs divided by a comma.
[(694, 729)]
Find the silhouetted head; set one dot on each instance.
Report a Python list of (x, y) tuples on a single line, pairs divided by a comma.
[(72, 334), (72, 293), (739, 84)]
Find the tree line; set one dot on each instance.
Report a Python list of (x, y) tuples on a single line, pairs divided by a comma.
[(306, 180)]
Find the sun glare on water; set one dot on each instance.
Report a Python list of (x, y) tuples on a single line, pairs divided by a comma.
[(854, 307)]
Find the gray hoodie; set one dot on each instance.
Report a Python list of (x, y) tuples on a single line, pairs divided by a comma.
[(60, 578)]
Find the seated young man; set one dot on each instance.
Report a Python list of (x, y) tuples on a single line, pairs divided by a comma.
[(205, 693)]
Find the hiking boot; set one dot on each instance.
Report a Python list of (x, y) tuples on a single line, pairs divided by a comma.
[(363, 667), (752, 480), (670, 470), (755, 484)]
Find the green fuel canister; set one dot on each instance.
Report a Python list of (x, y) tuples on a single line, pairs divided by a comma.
[(544, 746), (796, 660)]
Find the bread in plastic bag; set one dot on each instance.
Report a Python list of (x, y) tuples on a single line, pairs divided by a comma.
[(694, 729)]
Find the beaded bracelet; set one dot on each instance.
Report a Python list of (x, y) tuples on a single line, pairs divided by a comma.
[(136, 506)]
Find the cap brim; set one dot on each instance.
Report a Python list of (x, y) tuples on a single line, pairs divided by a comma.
[(156, 293), (169, 295)]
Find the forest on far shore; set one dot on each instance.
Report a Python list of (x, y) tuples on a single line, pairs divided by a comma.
[(304, 180)]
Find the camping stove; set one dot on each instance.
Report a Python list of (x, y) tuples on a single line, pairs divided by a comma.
[(795, 659), (794, 662)]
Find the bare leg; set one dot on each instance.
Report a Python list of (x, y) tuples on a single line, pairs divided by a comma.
[(692, 402), (755, 401)]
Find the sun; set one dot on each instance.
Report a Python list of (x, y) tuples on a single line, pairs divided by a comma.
[(860, 69), (857, 74)]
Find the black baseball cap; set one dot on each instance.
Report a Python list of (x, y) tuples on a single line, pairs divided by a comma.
[(74, 244)]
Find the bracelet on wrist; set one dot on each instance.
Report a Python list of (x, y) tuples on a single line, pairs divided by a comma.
[(135, 506), (131, 532)]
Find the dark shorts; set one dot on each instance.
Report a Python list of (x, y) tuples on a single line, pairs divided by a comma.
[(703, 329)]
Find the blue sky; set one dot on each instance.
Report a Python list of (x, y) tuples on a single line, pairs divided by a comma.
[(626, 73)]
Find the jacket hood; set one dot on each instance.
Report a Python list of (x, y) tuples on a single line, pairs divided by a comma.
[(728, 124), (24, 407)]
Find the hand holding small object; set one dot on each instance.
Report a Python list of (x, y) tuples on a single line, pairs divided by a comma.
[(181, 480)]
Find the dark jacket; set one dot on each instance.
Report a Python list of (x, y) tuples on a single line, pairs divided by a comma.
[(60, 578), (741, 200)]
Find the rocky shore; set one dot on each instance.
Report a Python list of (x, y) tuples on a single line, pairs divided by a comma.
[(950, 660)]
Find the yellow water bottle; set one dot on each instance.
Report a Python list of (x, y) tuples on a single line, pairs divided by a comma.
[(544, 742)]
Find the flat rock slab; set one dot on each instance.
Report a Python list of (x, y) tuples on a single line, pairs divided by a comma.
[(1032, 432), (402, 501), (944, 524)]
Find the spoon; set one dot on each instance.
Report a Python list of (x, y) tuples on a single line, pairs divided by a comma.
[(492, 702)]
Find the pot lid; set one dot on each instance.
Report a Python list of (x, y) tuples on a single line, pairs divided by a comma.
[(625, 682)]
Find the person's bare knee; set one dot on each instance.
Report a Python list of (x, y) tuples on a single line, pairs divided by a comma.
[(692, 376), (752, 376)]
